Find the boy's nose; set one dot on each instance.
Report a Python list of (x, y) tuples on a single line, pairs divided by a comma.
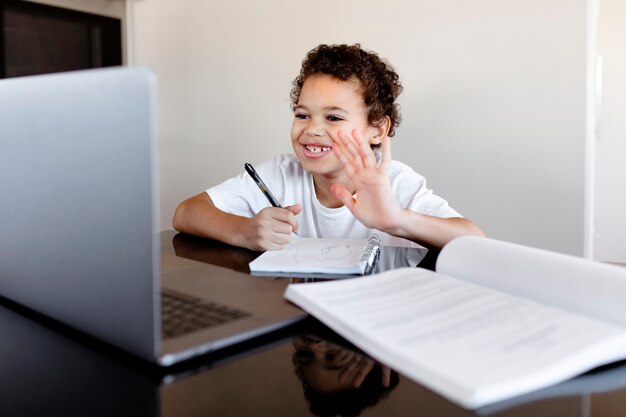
[(314, 127), (314, 132)]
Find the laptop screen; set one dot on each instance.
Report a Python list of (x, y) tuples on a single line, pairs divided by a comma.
[(78, 173)]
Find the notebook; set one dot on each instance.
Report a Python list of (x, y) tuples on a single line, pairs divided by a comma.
[(321, 255), (78, 172)]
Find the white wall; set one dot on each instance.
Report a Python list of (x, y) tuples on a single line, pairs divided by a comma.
[(610, 162), (494, 102)]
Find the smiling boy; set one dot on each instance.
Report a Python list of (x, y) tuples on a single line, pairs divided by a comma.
[(341, 182)]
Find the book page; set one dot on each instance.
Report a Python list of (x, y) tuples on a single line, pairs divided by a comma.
[(472, 344), (563, 281), (314, 255)]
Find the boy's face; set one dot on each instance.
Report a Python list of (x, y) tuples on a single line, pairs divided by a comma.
[(326, 105)]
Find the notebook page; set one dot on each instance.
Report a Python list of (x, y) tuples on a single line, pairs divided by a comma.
[(338, 256)]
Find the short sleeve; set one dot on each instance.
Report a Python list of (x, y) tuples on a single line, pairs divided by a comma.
[(412, 192)]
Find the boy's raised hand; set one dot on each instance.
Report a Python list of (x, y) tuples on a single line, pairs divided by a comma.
[(374, 205), (271, 228)]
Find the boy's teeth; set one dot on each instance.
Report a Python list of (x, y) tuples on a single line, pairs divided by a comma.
[(317, 148)]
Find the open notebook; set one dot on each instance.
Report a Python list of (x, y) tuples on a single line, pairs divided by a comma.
[(326, 256), (495, 320)]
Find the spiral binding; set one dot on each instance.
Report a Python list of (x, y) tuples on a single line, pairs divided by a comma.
[(371, 254)]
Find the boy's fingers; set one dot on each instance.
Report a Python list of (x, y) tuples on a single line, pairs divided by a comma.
[(347, 165), (369, 159), (295, 209), (352, 145), (366, 152), (386, 376), (347, 149), (385, 160), (365, 367), (343, 194)]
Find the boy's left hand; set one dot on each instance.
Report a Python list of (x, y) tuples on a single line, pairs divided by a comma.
[(374, 205)]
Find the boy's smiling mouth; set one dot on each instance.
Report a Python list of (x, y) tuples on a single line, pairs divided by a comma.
[(316, 150)]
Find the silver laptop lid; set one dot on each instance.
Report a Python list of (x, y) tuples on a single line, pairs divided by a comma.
[(79, 202)]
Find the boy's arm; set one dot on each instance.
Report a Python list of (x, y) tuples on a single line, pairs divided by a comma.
[(270, 229), (432, 231)]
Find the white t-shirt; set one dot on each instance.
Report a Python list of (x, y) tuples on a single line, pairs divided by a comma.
[(291, 184)]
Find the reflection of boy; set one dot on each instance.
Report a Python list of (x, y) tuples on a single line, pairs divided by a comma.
[(339, 381), (340, 182)]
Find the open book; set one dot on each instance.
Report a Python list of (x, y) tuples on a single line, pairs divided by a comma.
[(495, 321), (327, 256)]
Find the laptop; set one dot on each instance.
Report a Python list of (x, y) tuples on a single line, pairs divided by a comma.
[(79, 213)]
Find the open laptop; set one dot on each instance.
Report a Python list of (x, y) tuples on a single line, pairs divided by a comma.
[(79, 214)]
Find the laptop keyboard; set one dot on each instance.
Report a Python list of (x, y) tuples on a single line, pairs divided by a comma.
[(183, 314)]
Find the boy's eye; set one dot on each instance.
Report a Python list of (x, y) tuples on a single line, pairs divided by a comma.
[(334, 118), (304, 356), (302, 116)]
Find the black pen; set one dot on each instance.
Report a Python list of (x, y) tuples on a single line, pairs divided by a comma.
[(262, 186)]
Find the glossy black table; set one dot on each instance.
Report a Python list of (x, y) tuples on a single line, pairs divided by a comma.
[(47, 369)]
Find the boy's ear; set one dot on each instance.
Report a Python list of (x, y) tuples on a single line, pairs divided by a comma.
[(380, 130)]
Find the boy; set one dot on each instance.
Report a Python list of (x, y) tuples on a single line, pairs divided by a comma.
[(341, 182)]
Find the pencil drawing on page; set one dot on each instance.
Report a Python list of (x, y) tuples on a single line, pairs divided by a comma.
[(297, 254)]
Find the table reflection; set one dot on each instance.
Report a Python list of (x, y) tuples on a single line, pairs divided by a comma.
[(49, 370), (338, 380), (210, 251), (221, 254)]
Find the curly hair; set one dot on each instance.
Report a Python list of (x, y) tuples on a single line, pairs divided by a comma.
[(379, 81)]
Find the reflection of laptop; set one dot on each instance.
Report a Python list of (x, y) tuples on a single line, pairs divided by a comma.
[(79, 210)]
